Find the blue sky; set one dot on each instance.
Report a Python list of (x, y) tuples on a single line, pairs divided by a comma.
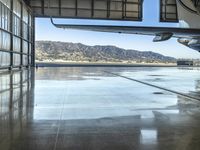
[(46, 31)]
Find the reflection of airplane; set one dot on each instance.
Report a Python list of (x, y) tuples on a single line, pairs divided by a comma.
[(188, 12)]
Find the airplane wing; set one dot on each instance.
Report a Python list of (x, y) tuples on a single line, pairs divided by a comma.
[(186, 36), (142, 30)]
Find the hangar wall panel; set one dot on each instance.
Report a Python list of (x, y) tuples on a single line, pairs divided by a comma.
[(89, 9), (16, 41), (168, 11)]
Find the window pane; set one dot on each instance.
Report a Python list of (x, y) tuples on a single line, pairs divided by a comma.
[(16, 44), (5, 18), (6, 2), (16, 60), (4, 59), (4, 41), (16, 25), (25, 47), (25, 15), (25, 31), (25, 60), (30, 48), (17, 8)]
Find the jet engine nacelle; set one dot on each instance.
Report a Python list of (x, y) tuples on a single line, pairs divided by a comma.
[(193, 43)]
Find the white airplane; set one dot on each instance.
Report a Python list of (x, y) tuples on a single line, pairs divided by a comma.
[(187, 34)]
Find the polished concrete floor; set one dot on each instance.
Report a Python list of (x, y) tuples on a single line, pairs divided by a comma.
[(92, 109)]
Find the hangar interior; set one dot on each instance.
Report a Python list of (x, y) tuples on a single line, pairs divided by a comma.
[(85, 108)]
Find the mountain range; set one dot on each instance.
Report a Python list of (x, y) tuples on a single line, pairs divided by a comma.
[(65, 51)]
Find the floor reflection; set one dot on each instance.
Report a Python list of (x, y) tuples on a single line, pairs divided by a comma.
[(68, 109), (147, 136), (197, 88), (15, 107)]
